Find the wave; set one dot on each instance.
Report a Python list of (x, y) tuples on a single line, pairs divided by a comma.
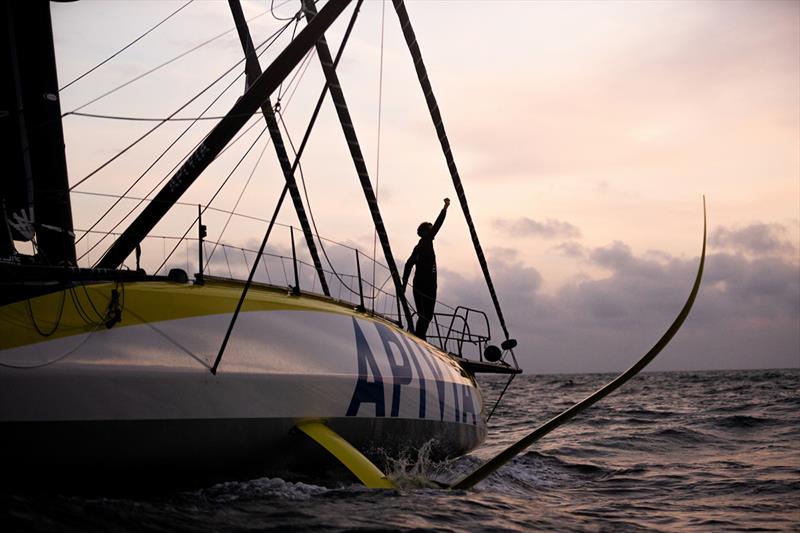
[(538, 459), (677, 451), (742, 422), (260, 488)]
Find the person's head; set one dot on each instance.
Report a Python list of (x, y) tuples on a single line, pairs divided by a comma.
[(424, 229)]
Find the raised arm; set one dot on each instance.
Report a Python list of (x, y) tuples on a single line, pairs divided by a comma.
[(440, 218)]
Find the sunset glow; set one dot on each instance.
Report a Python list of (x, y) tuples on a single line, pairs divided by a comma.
[(586, 134)]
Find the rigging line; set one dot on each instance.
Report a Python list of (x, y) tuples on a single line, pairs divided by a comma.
[(305, 69), (305, 64), (264, 254), (239, 199), (249, 279), (156, 186), (174, 342), (436, 118), (280, 87), (128, 118), (283, 196), (313, 120), (210, 208), (500, 398), (272, 11), (57, 321), (190, 204), (222, 133), (310, 211), (301, 70), (378, 155), (82, 312), (131, 211), (91, 302), (226, 212), (230, 144), (288, 102), (160, 119), (169, 237), (163, 153), (219, 189), (269, 112), (298, 74), (146, 198), (349, 132), (159, 158), (115, 54), (144, 119), (225, 253), (57, 359), (311, 123), (273, 37), (162, 65), (237, 247)]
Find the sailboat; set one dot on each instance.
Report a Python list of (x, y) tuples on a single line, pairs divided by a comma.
[(111, 374)]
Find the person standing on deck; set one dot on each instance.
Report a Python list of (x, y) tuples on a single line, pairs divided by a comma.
[(424, 258)]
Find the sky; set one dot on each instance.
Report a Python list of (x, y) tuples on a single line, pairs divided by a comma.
[(586, 134)]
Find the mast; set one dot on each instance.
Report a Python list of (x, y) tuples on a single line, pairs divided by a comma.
[(253, 71), (221, 135), (35, 192)]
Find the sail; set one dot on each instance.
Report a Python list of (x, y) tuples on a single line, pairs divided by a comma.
[(35, 191)]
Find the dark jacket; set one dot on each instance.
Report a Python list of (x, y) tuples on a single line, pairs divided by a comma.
[(424, 258)]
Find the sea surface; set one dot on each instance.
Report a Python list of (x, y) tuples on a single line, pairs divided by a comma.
[(672, 451)]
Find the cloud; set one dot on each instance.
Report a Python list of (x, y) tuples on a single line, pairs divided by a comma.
[(747, 313), (527, 227), (570, 249), (756, 239)]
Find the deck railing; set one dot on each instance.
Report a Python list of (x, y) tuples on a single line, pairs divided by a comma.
[(353, 277)]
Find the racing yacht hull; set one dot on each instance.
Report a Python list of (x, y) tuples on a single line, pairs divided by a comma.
[(138, 397)]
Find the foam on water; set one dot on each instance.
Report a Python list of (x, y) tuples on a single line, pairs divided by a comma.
[(414, 469), (259, 488)]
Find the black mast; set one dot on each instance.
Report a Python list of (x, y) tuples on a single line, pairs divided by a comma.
[(35, 190), (253, 70), (222, 133)]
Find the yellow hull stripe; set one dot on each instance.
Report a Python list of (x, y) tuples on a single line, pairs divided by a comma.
[(82, 309)]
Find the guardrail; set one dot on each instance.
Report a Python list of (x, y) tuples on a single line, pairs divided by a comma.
[(452, 331), (353, 278)]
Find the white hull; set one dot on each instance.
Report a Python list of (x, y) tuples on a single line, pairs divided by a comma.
[(142, 396)]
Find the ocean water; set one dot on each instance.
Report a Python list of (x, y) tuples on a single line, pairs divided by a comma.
[(672, 451)]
